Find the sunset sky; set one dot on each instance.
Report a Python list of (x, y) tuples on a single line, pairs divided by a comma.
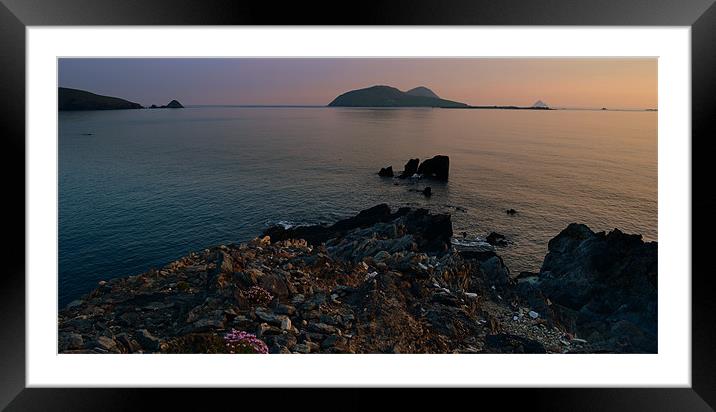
[(578, 83)]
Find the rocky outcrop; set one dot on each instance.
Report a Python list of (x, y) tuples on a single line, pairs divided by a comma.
[(410, 168), (437, 168), (173, 105), (380, 282), (602, 286), (386, 171), (431, 232)]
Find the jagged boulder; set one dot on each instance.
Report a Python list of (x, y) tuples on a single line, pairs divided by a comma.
[(386, 171), (437, 168), (605, 285), (410, 168)]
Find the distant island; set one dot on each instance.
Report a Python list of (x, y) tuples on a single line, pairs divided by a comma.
[(174, 104), (421, 96), (75, 99), (386, 96)]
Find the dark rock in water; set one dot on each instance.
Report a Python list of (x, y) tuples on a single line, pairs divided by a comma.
[(496, 239), (173, 105), (386, 172), (428, 191), (606, 285), (437, 168), (510, 211), (507, 343), (410, 169)]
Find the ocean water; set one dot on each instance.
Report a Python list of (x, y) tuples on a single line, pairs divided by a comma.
[(139, 188)]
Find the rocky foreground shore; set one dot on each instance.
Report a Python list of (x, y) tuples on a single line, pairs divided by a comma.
[(380, 282)]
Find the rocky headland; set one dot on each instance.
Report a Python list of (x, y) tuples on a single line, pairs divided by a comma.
[(74, 99), (382, 281)]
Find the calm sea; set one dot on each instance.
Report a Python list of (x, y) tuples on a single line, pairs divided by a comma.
[(139, 188)]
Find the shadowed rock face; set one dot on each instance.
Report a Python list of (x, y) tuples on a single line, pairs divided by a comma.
[(410, 168), (386, 171), (437, 168), (432, 232), (604, 286)]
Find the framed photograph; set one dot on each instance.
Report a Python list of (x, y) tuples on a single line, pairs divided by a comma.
[(474, 196)]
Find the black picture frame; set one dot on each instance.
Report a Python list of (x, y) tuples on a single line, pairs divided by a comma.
[(15, 15)]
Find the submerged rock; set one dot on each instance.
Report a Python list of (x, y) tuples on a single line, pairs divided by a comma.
[(496, 239)]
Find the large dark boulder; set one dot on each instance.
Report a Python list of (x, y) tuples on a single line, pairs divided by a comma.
[(605, 284), (432, 232), (410, 168), (386, 171), (437, 168)]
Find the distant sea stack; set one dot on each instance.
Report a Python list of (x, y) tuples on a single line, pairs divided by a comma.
[(386, 96), (74, 99), (173, 105), (539, 104), (438, 167)]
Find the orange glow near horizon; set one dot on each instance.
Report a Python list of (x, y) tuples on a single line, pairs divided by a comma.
[(615, 83)]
